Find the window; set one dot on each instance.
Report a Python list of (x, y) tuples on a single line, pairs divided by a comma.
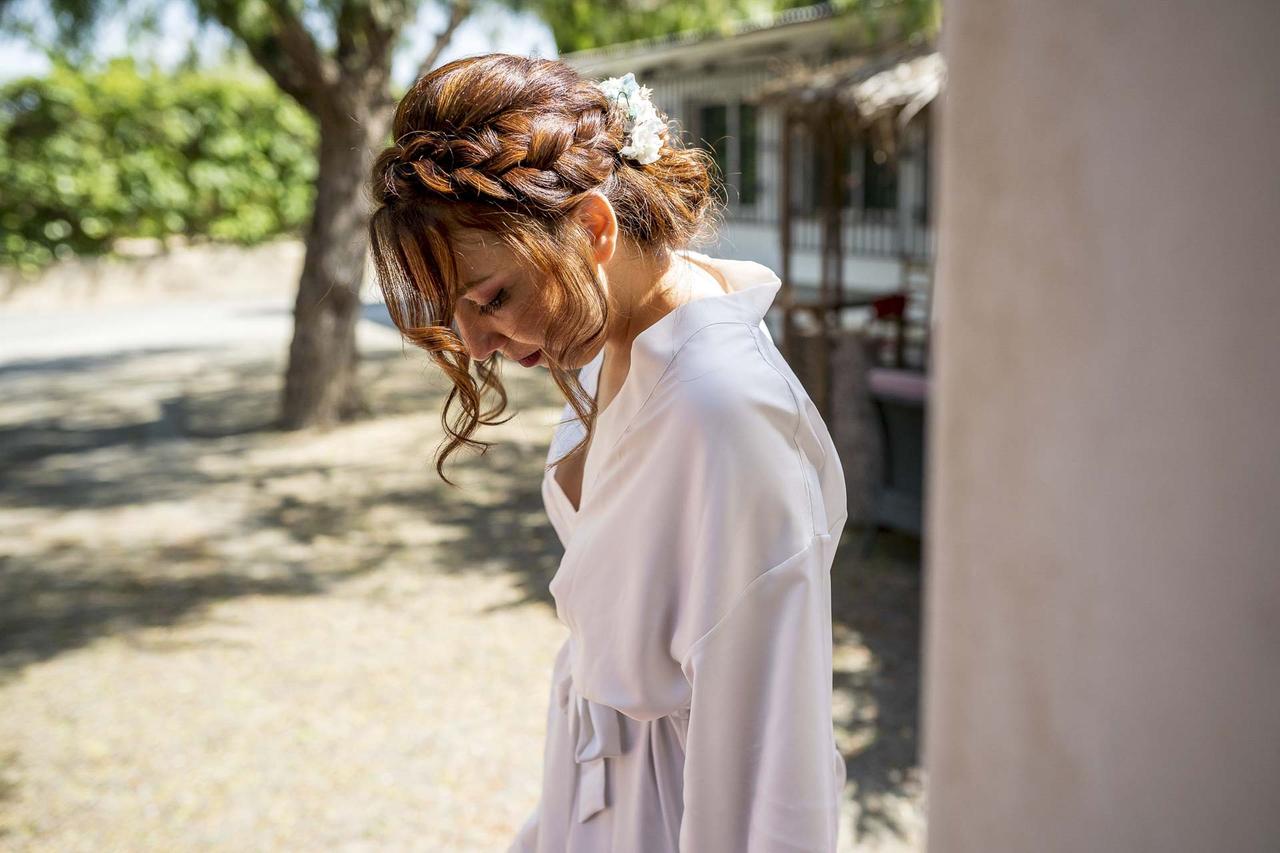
[(729, 132), (808, 172), (880, 178), (926, 174), (713, 131), (869, 182), (748, 152)]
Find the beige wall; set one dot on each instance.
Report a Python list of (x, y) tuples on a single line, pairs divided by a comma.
[(1103, 563)]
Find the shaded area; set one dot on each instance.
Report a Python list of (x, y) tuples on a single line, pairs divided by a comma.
[(875, 603), (138, 489), (56, 606), (118, 447)]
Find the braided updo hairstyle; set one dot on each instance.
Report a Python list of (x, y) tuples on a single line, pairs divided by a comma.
[(509, 145)]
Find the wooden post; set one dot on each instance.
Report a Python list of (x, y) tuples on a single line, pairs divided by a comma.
[(784, 228), (830, 126)]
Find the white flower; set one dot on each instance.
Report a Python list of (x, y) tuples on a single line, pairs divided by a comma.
[(645, 129)]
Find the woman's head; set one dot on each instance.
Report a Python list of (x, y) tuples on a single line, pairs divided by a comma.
[(506, 174)]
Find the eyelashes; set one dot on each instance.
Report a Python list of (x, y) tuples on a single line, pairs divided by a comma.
[(494, 304)]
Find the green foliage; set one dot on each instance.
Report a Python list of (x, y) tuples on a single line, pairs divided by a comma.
[(87, 157), (585, 24), (892, 18)]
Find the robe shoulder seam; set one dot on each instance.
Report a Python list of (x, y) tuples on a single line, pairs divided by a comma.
[(797, 411), (795, 433), (675, 354)]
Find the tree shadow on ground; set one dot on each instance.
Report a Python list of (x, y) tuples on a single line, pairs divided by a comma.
[(60, 605), (86, 478), (876, 600), (140, 489)]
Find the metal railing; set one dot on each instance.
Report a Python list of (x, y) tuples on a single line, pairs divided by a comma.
[(870, 232)]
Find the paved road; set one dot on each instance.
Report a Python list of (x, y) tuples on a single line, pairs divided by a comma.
[(29, 335)]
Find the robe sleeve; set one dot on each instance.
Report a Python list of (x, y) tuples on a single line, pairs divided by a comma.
[(762, 773)]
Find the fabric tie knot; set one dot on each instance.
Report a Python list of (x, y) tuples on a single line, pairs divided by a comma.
[(596, 733)]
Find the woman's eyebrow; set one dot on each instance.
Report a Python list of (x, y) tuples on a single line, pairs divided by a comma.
[(466, 286)]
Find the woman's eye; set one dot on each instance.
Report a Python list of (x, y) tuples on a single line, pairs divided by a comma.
[(495, 303)]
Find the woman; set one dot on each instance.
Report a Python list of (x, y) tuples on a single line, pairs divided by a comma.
[(697, 493)]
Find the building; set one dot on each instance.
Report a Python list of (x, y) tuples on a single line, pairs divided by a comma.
[(735, 92)]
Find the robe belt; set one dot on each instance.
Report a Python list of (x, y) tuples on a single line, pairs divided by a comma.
[(597, 734)]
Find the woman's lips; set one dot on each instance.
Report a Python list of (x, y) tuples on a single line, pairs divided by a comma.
[(531, 360)]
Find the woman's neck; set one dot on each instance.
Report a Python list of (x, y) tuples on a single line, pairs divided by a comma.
[(643, 289)]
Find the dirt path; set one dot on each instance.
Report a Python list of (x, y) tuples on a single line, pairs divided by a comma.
[(220, 637)]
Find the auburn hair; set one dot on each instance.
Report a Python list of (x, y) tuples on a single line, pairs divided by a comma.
[(510, 144)]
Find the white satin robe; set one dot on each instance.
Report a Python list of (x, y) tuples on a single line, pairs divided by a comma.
[(690, 707)]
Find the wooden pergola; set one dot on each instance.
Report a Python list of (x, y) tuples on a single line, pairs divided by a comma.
[(866, 97)]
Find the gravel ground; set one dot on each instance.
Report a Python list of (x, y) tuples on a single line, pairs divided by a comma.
[(215, 636)]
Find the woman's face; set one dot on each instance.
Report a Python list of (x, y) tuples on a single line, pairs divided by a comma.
[(501, 307), (503, 303)]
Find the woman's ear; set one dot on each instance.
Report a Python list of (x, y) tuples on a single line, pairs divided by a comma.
[(595, 214)]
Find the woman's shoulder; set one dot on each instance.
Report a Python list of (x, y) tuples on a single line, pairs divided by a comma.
[(729, 393), (732, 369)]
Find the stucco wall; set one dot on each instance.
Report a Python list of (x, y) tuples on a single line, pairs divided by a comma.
[(1103, 638)]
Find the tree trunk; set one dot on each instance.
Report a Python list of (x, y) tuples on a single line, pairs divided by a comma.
[(320, 384)]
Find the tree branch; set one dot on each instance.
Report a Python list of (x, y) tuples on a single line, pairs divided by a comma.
[(346, 26), (301, 47), (458, 12), (265, 48), (379, 22)]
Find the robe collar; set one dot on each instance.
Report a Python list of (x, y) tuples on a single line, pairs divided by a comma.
[(755, 288)]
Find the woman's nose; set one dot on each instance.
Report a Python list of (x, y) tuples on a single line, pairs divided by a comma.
[(479, 340)]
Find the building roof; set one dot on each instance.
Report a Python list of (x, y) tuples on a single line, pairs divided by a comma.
[(652, 51), (902, 80)]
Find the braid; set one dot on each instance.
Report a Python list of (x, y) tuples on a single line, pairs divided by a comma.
[(537, 160)]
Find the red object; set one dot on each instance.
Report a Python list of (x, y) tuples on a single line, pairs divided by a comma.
[(888, 314), (892, 306)]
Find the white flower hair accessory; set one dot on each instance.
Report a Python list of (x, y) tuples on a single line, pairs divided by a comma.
[(645, 129)]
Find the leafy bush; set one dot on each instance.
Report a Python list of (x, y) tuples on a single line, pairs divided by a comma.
[(86, 158)]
